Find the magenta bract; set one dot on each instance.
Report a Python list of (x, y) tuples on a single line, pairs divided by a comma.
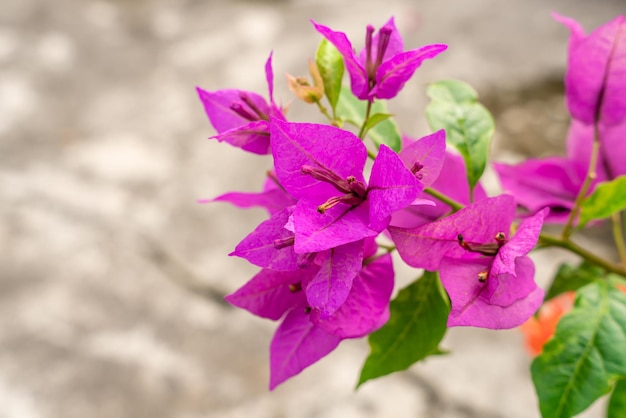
[(594, 82)]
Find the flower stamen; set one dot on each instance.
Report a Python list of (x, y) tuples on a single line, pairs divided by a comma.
[(348, 199), (281, 243), (295, 287), (490, 249), (260, 115)]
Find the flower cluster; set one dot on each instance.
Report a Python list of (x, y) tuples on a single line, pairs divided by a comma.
[(339, 206)]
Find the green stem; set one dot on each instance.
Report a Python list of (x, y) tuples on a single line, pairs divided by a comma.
[(324, 111), (388, 248), (367, 116), (456, 206), (554, 241), (618, 236), (591, 175)]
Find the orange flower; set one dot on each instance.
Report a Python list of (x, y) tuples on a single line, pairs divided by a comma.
[(540, 328)]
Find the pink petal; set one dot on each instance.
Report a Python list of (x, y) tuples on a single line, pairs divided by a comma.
[(448, 182), (613, 150), (393, 74), (259, 246), (596, 68), (217, 106), (330, 287), (550, 182), (272, 200), (321, 146), (296, 345), (269, 76), (252, 137), (520, 244), (506, 288), (339, 225), (471, 299), (366, 307), (429, 151), (392, 187), (579, 144), (268, 294)]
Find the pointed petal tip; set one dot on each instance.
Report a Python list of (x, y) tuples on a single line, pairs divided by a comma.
[(202, 94), (391, 22)]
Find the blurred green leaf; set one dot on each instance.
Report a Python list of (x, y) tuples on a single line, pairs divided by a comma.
[(570, 278), (617, 402), (608, 198), (469, 125)]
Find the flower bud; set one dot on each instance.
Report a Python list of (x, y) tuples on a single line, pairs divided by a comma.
[(303, 90)]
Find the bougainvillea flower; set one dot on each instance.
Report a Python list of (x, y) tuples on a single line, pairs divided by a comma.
[(594, 82), (554, 182), (449, 182), (241, 117), (382, 68), (273, 198), (305, 336), (487, 275), (322, 167)]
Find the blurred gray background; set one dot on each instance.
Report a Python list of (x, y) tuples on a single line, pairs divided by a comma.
[(111, 275)]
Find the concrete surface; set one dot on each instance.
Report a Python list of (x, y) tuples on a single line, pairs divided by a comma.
[(111, 275)]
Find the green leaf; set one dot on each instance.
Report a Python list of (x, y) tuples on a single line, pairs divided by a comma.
[(352, 110), (607, 199), (375, 119), (617, 403), (416, 326), (585, 354), (330, 65), (469, 125), (570, 278)]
